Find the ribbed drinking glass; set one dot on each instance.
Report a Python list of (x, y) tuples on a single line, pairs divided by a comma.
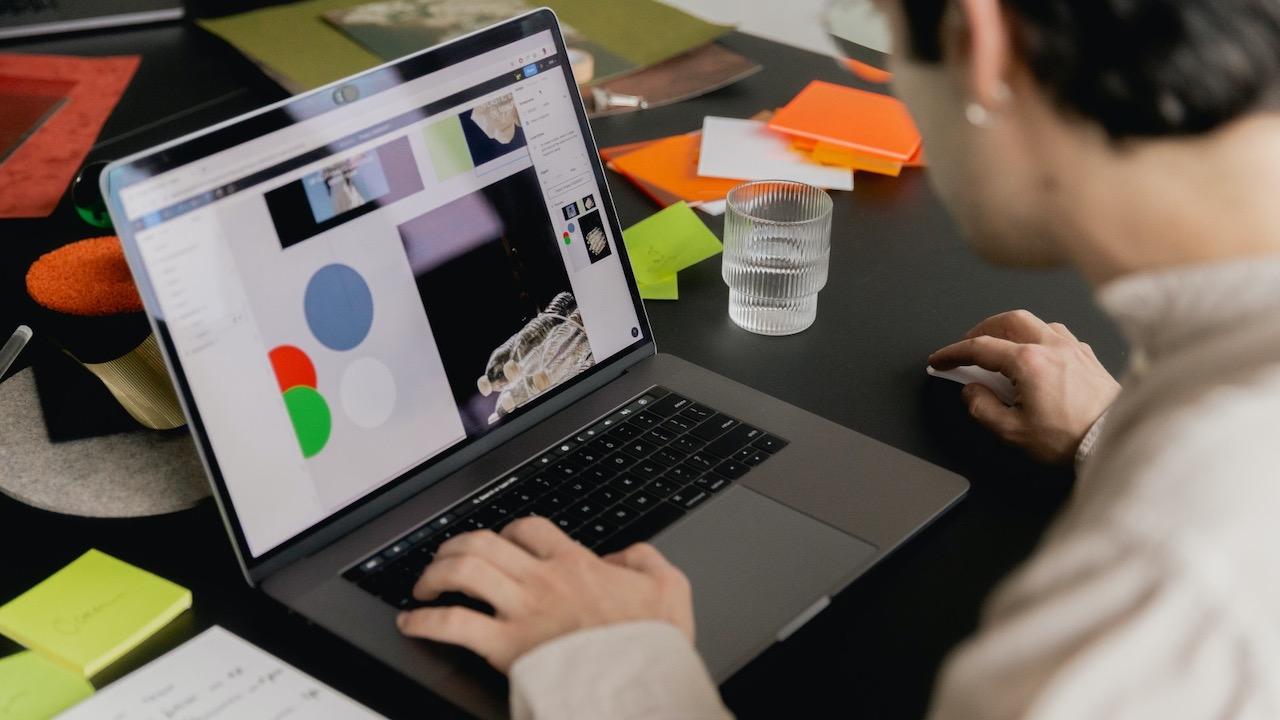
[(777, 247)]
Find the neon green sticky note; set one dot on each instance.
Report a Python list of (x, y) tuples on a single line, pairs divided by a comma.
[(668, 242), (34, 688), (89, 613), (664, 289)]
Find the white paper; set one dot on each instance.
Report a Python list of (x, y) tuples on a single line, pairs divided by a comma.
[(749, 150), (994, 381), (713, 207), (218, 676)]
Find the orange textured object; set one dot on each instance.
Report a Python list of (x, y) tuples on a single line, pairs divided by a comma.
[(87, 278)]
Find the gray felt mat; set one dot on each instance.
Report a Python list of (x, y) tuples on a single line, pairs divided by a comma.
[(127, 475)]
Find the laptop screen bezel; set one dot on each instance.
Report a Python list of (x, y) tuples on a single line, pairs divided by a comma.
[(141, 166)]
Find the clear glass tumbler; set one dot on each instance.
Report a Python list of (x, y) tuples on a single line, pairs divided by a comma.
[(777, 247)]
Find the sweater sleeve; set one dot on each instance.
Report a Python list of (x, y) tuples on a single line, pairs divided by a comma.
[(1089, 442), (631, 671), (1094, 628)]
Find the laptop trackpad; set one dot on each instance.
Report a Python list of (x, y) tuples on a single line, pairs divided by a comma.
[(756, 566)]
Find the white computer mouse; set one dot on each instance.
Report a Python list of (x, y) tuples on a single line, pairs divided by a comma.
[(994, 381)]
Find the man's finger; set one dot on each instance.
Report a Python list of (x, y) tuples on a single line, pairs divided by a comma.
[(641, 557), (474, 576), (1062, 330), (990, 412), (455, 625), (506, 555), (987, 352), (1020, 326), (539, 536)]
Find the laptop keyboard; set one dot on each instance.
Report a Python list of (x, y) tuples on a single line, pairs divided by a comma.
[(618, 481)]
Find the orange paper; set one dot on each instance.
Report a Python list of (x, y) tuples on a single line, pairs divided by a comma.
[(671, 166), (862, 121)]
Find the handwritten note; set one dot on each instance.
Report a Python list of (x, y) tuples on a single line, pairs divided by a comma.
[(218, 676), (667, 242), (89, 613), (34, 688)]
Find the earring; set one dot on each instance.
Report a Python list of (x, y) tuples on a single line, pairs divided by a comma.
[(978, 115)]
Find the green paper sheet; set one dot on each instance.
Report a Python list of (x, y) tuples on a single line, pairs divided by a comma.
[(665, 289), (642, 31), (668, 242), (91, 612), (33, 688), (294, 44)]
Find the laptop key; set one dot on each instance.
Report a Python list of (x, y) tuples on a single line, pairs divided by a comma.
[(358, 572), (595, 531), (698, 412), (654, 521), (662, 488), (607, 444), (567, 521), (626, 484), (714, 427), (605, 496), (619, 461), (684, 474), (624, 432), (755, 458), (641, 500), (687, 444), (712, 483), (668, 457), (702, 461), (670, 405), (646, 419), (732, 470), (679, 424), (647, 469), (639, 448), (660, 435), (770, 443), (736, 439), (694, 499)]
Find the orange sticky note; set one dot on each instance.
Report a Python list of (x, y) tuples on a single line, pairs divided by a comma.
[(828, 154), (671, 165), (856, 119)]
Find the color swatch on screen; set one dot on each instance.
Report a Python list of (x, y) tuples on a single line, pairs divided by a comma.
[(307, 408), (338, 307)]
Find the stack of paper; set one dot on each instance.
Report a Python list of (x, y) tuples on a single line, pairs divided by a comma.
[(89, 613), (749, 150), (665, 243), (850, 128)]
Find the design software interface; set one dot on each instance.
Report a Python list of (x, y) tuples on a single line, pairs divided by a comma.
[(355, 293)]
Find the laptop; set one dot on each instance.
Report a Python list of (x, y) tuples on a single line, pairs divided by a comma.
[(29, 18), (399, 308)]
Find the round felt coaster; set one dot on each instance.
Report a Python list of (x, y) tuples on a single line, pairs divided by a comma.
[(86, 278), (125, 475)]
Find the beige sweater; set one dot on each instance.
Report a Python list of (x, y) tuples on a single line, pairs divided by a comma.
[(1155, 595)]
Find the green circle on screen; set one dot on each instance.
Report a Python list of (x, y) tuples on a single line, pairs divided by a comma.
[(311, 419)]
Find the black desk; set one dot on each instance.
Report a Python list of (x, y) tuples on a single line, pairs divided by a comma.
[(902, 285)]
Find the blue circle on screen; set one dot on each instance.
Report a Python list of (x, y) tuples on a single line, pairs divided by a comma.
[(339, 307), (572, 228)]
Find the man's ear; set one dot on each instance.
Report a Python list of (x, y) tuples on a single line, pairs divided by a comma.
[(977, 39)]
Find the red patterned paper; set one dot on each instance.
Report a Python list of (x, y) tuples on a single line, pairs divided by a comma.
[(35, 176)]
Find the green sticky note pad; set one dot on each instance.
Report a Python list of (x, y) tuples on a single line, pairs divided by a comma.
[(668, 242), (664, 289), (91, 612), (34, 688)]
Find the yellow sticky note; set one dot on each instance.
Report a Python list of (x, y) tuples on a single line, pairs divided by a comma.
[(89, 613), (668, 242), (33, 688), (663, 289)]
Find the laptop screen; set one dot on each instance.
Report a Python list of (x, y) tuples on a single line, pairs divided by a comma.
[(406, 264)]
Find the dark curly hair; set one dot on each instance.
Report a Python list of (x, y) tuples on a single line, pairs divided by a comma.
[(1139, 68)]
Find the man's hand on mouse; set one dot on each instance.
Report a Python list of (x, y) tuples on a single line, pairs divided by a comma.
[(1062, 389), (543, 585)]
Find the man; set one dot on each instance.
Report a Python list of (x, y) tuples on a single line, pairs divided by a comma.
[(1137, 141)]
